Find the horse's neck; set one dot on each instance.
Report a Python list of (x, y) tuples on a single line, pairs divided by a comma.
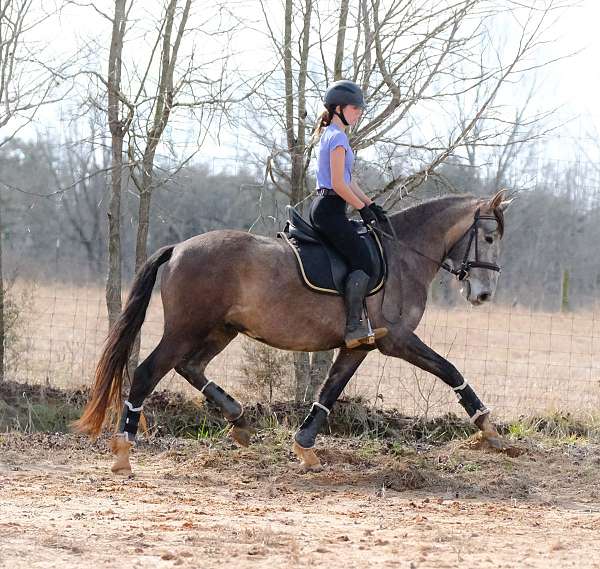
[(436, 231)]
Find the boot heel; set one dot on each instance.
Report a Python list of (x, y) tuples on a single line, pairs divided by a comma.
[(354, 343)]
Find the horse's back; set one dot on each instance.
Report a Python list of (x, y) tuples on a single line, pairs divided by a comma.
[(224, 251), (218, 264)]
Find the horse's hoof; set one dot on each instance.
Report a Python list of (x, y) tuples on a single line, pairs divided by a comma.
[(309, 461), (483, 441), (126, 472), (241, 435), (487, 427), (490, 439), (311, 468), (121, 466), (495, 442), (120, 447), (499, 445)]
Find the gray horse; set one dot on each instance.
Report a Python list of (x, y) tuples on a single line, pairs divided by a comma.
[(221, 283)]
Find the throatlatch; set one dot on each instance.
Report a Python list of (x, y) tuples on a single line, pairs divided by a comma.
[(308, 431), (469, 400)]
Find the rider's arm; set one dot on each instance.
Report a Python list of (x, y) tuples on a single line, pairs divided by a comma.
[(359, 193), (336, 160)]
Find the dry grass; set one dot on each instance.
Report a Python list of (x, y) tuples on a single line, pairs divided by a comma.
[(519, 362)]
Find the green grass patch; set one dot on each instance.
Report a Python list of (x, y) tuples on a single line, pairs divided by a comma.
[(561, 428)]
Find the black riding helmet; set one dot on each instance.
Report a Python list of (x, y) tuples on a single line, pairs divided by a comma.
[(344, 93)]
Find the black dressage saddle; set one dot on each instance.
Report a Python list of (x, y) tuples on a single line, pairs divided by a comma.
[(321, 267)]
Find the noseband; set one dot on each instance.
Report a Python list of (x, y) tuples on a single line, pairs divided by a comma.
[(462, 272)]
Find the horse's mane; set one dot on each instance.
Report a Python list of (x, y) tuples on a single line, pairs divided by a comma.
[(415, 216)]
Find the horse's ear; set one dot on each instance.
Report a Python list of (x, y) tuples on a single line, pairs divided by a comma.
[(497, 199)]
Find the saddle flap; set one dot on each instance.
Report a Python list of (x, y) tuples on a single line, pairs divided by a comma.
[(322, 268)]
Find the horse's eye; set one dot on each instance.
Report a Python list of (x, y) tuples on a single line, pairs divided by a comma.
[(489, 239)]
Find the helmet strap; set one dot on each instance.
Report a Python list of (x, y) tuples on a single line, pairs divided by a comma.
[(342, 117)]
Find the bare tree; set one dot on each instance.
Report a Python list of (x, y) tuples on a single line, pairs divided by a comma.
[(440, 66), (2, 292), (287, 166), (169, 86), (118, 124), (77, 164), (174, 87), (27, 82), (406, 55), (144, 142)]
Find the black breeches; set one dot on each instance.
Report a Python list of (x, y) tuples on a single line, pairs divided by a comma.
[(328, 215)]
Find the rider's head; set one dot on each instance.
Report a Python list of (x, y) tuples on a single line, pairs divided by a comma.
[(345, 99)]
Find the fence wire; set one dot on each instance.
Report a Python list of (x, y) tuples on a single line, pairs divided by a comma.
[(519, 361)]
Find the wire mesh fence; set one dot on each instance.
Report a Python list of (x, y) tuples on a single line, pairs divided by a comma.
[(519, 361)]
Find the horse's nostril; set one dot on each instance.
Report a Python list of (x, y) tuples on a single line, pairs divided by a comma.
[(483, 297)]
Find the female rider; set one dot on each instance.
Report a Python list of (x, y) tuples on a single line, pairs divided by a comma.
[(344, 103)]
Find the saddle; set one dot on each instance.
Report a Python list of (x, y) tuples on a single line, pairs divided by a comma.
[(321, 267)]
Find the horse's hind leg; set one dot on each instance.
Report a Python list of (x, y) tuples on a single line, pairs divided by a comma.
[(192, 369), (163, 358)]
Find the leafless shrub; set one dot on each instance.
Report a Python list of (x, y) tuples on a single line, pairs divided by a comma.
[(265, 370)]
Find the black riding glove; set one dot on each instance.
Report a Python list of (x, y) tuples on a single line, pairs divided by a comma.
[(368, 216), (380, 213)]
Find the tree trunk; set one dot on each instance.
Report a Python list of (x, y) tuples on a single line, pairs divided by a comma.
[(113, 281), (319, 366), (141, 246), (341, 37), (564, 292), (2, 332), (310, 371), (301, 376), (297, 179), (164, 103)]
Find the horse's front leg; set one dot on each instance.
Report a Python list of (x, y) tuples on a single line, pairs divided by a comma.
[(342, 369), (410, 348)]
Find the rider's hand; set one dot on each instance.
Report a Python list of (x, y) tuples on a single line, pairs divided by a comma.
[(368, 216), (380, 213)]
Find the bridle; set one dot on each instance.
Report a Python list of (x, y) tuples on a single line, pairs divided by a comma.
[(463, 271)]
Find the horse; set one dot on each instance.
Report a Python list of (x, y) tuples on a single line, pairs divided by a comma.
[(219, 284)]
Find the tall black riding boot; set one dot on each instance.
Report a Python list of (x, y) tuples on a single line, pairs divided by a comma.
[(358, 330)]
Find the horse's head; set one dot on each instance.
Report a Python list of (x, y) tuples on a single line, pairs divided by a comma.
[(475, 255)]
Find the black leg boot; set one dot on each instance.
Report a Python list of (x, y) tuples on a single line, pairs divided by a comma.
[(358, 330), (308, 431)]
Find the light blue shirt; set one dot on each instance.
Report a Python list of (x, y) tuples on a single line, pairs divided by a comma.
[(331, 138)]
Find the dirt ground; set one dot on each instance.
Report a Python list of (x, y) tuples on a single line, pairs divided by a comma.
[(209, 504)]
